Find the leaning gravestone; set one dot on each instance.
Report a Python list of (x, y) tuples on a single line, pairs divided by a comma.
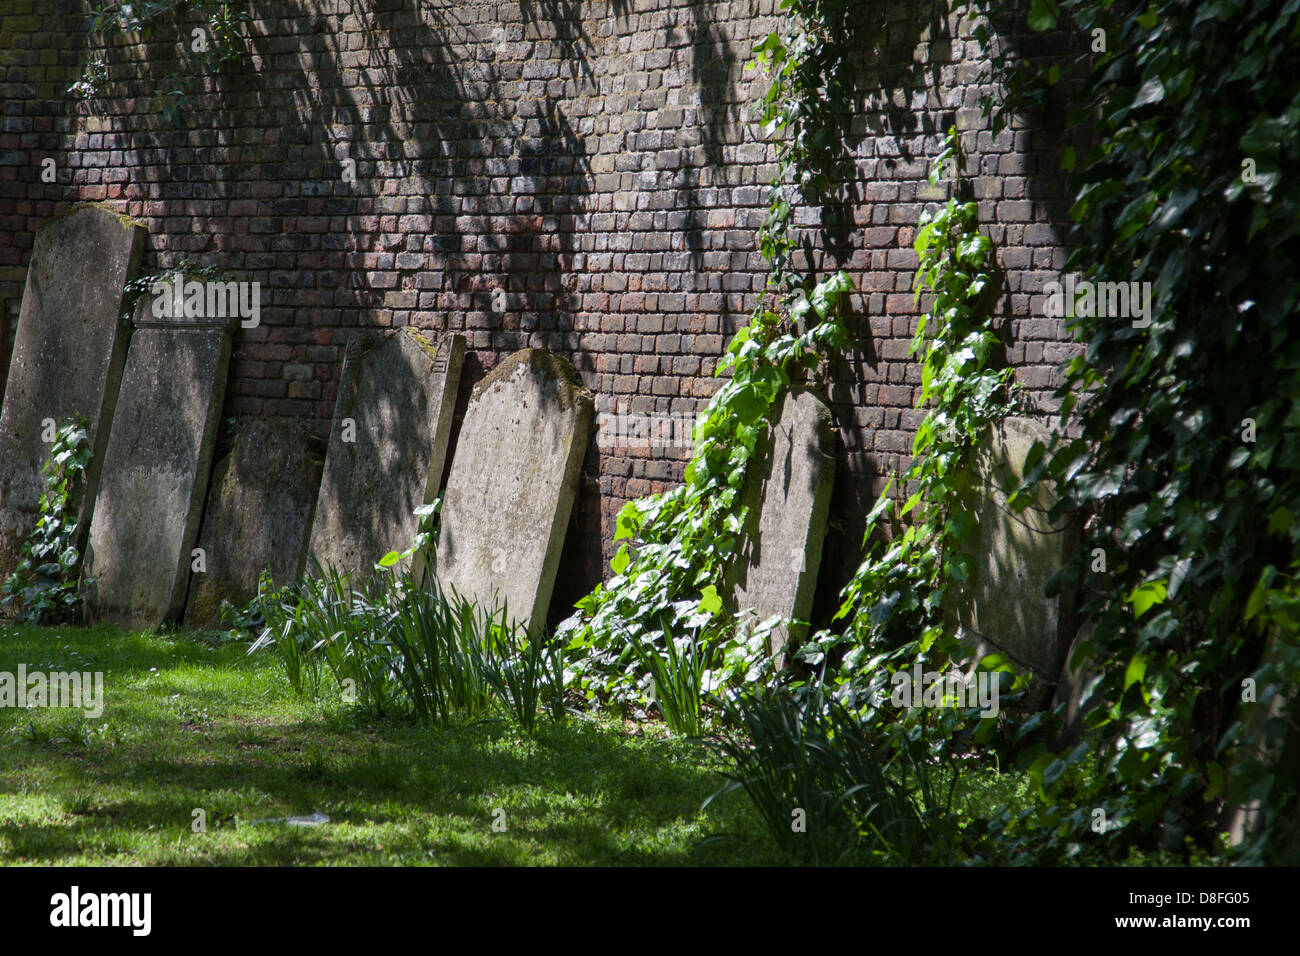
[(257, 517), (512, 485), (156, 466), (388, 443), (67, 358), (789, 495), (1002, 606)]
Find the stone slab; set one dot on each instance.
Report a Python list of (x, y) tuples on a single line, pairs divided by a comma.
[(258, 515), (67, 359), (513, 481), (156, 468), (396, 399), (789, 498), (1002, 607)]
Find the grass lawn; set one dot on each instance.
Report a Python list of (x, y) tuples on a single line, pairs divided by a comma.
[(188, 725)]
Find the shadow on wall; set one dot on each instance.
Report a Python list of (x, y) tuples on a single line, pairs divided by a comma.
[(33, 91), (897, 120), (392, 97), (430, 113), (487, 180)]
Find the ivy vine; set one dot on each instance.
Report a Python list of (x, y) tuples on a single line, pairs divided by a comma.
[(46, 585), (893, 610), (898, 591), (678, 545)]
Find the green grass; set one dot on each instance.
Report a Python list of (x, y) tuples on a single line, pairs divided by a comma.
[(188, 725)]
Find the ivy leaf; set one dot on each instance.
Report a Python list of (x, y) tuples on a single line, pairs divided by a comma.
[(1036, 771), (1259, 596), (1136, 670), (1094, 485), (627, 523), (883, 608), (749, 406), (1182, 568), (1147, 596), (997, 663), (1152, 91), (1042, 15)]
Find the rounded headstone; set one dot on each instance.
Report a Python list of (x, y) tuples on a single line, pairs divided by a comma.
[(512, 485)]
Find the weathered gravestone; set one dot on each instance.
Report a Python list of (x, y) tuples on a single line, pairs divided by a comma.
[(788, 491), (1002, 606), (257, 517), (388, 443), (67, 358), (512, 484), (156, 467)]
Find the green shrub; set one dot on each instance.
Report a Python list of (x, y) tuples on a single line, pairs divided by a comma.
[(323, 619), (460, 660)]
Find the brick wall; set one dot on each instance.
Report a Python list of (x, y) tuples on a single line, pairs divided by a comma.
[(580, 176)]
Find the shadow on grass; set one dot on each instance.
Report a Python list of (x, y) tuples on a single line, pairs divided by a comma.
[(395, 792)]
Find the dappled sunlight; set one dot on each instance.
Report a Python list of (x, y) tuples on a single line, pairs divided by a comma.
[(189, 725)]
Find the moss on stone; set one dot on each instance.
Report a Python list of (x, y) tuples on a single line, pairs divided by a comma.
[(125, 221), (205, 605), (430, 348)]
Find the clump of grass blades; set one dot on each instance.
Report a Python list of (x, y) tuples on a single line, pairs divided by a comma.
[(441, 646), (522, 670), (679, 672), (433, 655), (810, 754), (325, 619)]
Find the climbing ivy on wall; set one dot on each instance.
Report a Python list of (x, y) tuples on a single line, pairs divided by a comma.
[(677, 545), (806, 110), (1186, 442), (967, 387), (917, 549)]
